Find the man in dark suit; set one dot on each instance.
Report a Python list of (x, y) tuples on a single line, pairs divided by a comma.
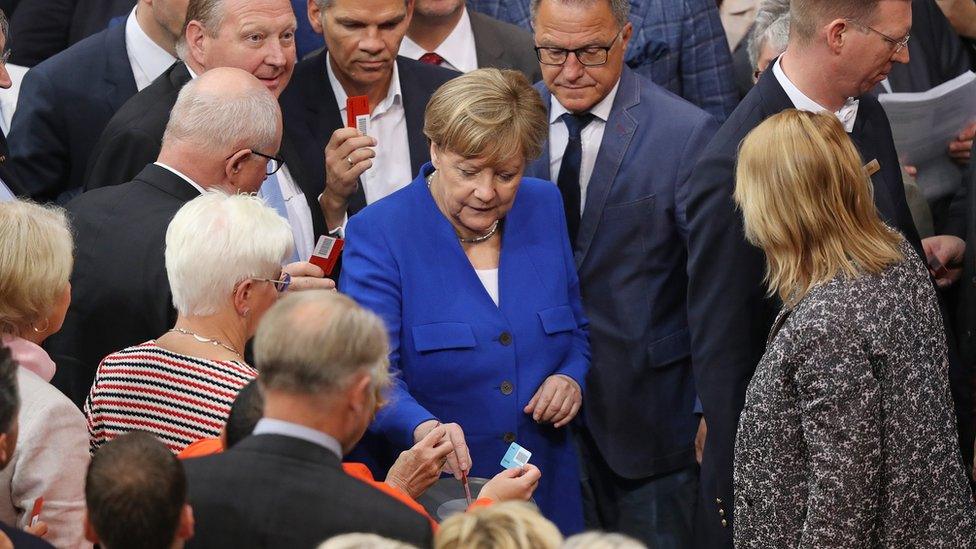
[(43, 28), (834, 57), (446, 33), (120, 293), (322, 361), (627, 225), (66, 101), (360, 59)]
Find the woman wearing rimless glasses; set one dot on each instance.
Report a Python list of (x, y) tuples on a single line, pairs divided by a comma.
[(181, 385)]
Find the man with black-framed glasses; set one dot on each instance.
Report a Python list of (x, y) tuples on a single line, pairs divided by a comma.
[(620, 150)]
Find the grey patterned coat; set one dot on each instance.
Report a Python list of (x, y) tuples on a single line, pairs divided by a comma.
[(848, 438)]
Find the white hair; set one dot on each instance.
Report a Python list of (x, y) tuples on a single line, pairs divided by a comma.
[(602, 540), (217, 240), (772, 27), (363, 541), (220, 121)]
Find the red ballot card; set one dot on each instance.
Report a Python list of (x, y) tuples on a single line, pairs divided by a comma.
[(357, 113), (326, 253), (36, 512)]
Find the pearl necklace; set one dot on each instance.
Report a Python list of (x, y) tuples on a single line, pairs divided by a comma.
[(211, 341), (473, 240)]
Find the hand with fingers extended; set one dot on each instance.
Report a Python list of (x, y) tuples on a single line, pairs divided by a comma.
[(557, 401), (517, 483), (347, 155), (418, 468), (305, 276), (39, 529), (459, 460)]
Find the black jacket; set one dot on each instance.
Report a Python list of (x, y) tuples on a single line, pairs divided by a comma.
[(278, 491)]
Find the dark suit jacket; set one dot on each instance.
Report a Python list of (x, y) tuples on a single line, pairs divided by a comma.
[(119, 290), (631, 258), (59, 119), (6, 174), (134, 137), (23, 540), (311, 115), (43, 28), (728, 311), (503, 45), (279, 491)]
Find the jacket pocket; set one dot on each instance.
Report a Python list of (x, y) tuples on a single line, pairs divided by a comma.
[(669, 349), (443, 335), (558, 319)]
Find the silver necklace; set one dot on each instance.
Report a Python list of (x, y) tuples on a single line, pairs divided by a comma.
[(473, 240), (211, 341)]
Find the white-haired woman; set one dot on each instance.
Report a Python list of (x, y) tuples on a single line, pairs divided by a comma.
[(223, 261), (50, 458)]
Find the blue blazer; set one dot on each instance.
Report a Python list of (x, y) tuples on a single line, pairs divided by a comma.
[(458, 357), (630, 253), (65, 103)]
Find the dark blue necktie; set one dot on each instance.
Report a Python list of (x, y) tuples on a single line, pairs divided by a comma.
[(569, 171)]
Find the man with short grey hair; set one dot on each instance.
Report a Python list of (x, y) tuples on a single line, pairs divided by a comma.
[(322, 363), (837, 52), (769, 35), (120, 293)]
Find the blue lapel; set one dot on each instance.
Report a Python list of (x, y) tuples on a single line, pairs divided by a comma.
[(617, 136), (121, 85)]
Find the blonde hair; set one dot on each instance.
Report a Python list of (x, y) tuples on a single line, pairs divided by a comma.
[(487, 113), (807, 202), (36, 257), (509, 525), (602, 540), (314, 341), (363, 541)]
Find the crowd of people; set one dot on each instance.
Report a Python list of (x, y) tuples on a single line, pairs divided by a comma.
[(522, 274)]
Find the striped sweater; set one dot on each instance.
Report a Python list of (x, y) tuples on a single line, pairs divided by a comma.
[(178, 398)]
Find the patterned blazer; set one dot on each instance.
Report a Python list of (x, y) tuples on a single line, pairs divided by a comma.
[(848, 437)]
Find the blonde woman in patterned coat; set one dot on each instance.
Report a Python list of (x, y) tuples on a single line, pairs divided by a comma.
[(848, 437)]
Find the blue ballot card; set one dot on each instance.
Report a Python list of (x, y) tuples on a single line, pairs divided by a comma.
[(516, 456)]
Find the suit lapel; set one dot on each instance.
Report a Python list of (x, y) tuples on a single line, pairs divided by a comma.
[(487, 45), (863, 127), (541, 166), (619, 132), (414, 103), (311, 189), (120, 84)]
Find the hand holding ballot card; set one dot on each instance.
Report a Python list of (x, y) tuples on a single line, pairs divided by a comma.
[(348, 154)]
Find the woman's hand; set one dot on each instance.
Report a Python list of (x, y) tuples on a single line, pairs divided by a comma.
[(39, 529), (557, 401), (459, 460), (517, 483), (305, 276), (418, 468)]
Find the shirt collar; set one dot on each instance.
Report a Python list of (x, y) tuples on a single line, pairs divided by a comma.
[(393, 96), (457, 49), (847, 114), (601, 110), (152, 58), (182, 175), (268, 426)]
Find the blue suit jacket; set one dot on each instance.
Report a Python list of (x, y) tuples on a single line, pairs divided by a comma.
[(65, 103), (630, 252), (457, 356)]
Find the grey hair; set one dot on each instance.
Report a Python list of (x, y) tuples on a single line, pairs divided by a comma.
[(4, 25), (209, 13), (620, 8), (220, 121), (314, 341), (363, 541), (772, 26)]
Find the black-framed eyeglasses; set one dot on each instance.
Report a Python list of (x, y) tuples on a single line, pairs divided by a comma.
[(589, 56), (274, 162), (895, 43), (281, 283)]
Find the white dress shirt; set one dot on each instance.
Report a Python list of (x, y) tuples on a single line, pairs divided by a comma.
[(268, 426), (457, 49), (147, 58), (391, 169), (591, 136), (847, 114), (489, 279)]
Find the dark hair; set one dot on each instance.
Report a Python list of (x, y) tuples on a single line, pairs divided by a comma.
[(135, 490), (245, 412), (9, 394)]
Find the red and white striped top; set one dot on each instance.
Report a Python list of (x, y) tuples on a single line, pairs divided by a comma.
[(178, 398)]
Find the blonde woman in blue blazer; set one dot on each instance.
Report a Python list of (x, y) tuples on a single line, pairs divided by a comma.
[(470, 267)]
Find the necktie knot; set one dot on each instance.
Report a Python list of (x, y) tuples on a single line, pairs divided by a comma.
[(431, 58), (576, 122)]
